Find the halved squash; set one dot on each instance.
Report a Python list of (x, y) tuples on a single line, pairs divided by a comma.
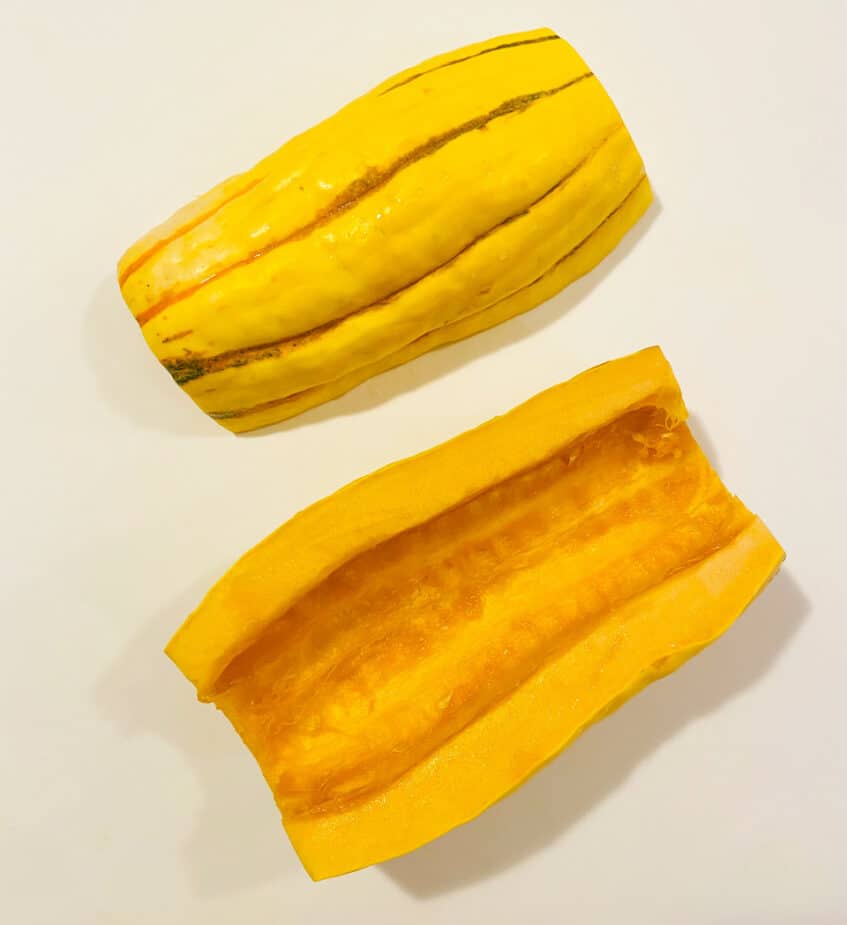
[(405, 652)]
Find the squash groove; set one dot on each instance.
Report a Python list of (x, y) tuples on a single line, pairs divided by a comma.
[(272, 290)]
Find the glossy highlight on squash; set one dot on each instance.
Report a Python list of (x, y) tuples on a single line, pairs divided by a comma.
[(449, 198), (407, 651)]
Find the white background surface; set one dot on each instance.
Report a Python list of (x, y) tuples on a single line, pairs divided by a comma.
[(716, 796)]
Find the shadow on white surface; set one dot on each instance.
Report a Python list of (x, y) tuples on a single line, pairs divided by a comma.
[(131, 380), (542, 810), (236, 839), (704, 441)]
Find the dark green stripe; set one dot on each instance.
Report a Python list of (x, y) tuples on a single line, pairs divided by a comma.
[(478, 54)]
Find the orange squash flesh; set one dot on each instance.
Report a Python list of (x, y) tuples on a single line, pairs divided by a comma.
[(423, 676)]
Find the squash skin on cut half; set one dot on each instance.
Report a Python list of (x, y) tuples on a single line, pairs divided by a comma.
[(407, 651), (448, 199)]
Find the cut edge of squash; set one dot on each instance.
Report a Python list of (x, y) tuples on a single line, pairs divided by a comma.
[(301, 553), (642, 641)]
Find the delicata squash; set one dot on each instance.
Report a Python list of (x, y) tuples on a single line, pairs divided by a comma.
[(408, 650), (447, 199)]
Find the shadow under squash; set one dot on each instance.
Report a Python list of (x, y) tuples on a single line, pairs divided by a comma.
[(236, 839), (704, 441), (598, 762), (129, 378)]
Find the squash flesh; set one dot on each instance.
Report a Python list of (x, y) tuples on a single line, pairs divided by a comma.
[(646, 639), (408, 643)]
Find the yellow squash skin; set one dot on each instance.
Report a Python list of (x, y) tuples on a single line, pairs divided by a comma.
[(407, 651), (447, 199)]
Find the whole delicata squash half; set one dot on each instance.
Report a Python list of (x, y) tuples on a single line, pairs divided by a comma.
[(448, 199), (407, 651)]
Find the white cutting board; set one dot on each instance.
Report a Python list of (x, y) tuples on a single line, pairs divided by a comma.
[(715, 796)]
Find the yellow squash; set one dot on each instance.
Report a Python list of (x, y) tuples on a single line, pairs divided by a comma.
[(407, 651), (449, 198)]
